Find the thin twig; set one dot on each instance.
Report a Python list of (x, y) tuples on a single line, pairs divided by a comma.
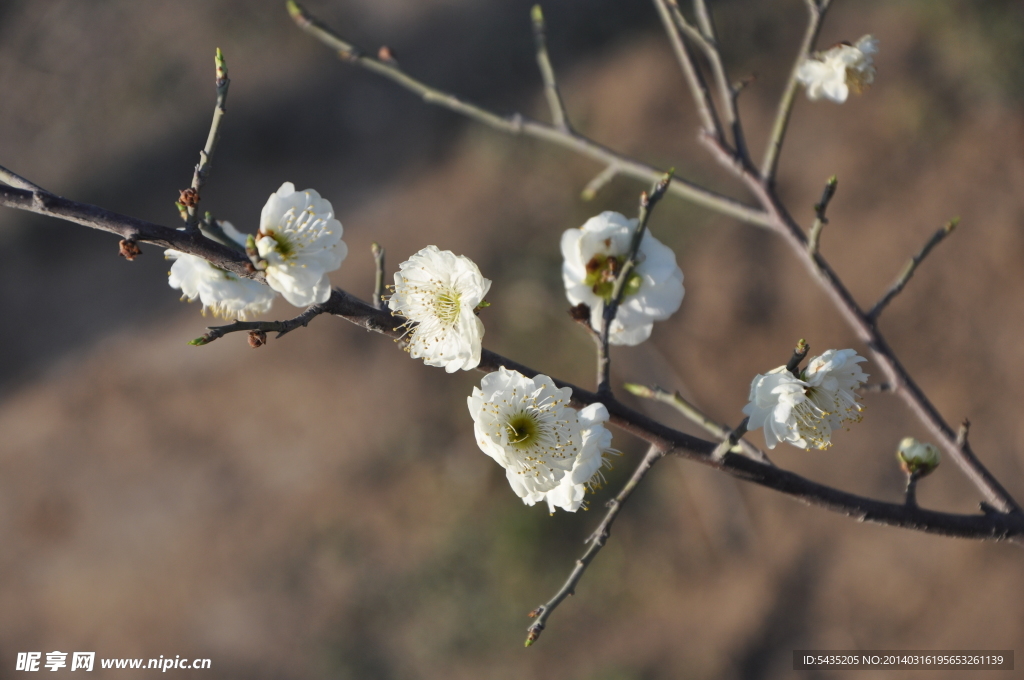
[(729, 443), (280, 327), (961, 435), (597, 541), (599, 182), (611, 308), (378, 279), (911, 494), (909, 268), (206, 155), (517, 124), (820, 220), (875, 387), (19, 182), (559, 117), (694, 78), (695, 415), (799, 353), (728, 93), (769, 165)]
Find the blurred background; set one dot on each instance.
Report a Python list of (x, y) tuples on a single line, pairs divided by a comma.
[(318, 508)]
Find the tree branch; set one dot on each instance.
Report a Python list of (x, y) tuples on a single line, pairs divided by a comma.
[(695, 415), (770, 164), (902, 383), (206, 155), (908, 270), (611, 308), (517, 124), (558, 114), (819, 214), (19, 182), (378, 278), (597, 541), (674, 23), (279, 327), (1005, 525)]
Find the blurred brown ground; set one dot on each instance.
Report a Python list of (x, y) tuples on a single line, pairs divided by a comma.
[(318, 508)]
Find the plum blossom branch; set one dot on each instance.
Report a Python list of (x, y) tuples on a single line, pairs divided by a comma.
[(596, 540), (902, 383), (771, 214), (206, 155), (992, 524), (518, 124), (909, 268)]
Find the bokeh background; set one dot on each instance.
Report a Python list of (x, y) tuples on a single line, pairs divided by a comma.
[(318, 508)]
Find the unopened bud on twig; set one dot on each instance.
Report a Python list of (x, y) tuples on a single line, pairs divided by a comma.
[(917, 458), (386, 54), (129, 249), (257, 338), (189, 197)]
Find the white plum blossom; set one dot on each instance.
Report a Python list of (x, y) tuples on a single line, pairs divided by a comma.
[(804, 411), (222, 293), (527, 426), (301, 242), (438, 292), (586, 470), (593, 256), (833, 73)]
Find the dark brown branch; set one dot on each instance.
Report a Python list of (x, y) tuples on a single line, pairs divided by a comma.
[(909, 268), (596, 541), (279, 327), (799, 353), (517, 124), (128, 228)]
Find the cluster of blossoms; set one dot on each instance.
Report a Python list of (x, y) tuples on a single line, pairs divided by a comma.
[(833, 73), (804, 410), (299, 242)]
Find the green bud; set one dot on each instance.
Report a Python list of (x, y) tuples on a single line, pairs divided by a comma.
[(917, 458)]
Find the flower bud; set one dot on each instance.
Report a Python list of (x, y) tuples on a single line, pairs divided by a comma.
[(917, 458)]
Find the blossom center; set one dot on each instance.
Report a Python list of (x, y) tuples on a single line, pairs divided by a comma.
[(522, 430), (602, 270), (447, 305)]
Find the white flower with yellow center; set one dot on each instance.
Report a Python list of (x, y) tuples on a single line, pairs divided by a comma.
[(222, 293), (833, 73), (804, 411), (439, 292), (586, 473), (593, 256), (527, 426), (301, 242)]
